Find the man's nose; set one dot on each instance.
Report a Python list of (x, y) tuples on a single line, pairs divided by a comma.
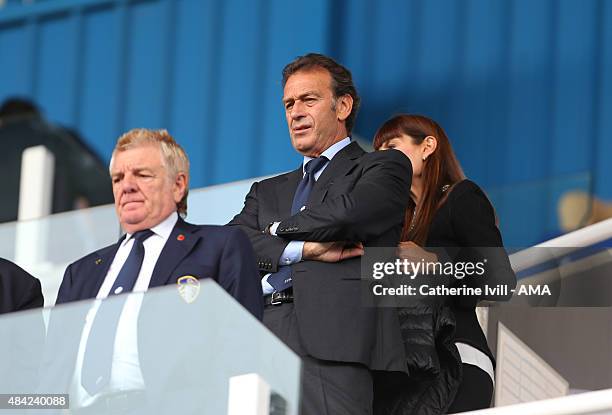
[(297, 110), (128, 184)]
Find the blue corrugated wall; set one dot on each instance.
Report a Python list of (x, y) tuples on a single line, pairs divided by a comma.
[(522, 87)]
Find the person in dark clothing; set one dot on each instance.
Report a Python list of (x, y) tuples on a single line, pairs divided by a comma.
[(21, 334), (312, 286), (449, 219), (81, 178), (18, 289)]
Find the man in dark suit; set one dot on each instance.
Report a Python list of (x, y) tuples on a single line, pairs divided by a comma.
[(309, 227), (18, 289), (150, 176)]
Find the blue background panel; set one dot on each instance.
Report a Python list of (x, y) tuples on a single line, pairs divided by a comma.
[(195, 83), (100, 100), (237, 111), (145, 64), (602, 146), (16, 62), (56, 86), (522, 88)]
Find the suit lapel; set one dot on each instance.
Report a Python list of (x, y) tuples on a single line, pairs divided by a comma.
[(286, 191), (338, 167), (101, 265), (180, 242)]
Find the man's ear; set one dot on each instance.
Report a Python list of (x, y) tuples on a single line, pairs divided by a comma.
[(180, 186), (344, 106)]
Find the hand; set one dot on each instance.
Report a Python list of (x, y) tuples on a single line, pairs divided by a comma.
[(414, 253), (331, 251)]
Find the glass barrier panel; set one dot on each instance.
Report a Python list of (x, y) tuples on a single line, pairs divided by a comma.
[(164, 351)]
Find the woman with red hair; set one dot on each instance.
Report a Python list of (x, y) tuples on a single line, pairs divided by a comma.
[(451, 215)]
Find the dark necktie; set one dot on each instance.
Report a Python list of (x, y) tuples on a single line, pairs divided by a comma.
[(98, 358), (129, 272), (305, 187), (283, 278)]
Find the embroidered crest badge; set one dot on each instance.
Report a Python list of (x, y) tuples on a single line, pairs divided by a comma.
[(188, 288)]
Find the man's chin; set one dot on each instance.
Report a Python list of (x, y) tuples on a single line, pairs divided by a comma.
[(302, 144), (133, 223)]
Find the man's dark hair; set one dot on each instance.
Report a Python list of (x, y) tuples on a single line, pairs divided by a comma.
[(18, 106), (342, 80)]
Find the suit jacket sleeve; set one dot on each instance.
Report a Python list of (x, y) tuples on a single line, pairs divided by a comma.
[(18, 289), (473, 221), (33, 297), (375, 204), (268, 249), (238, 274), (22, 339)]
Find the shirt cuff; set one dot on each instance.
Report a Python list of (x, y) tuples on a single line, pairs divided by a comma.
[(265, 286), (273, 228), (292, 253)]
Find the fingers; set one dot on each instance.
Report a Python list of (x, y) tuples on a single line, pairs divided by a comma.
[(352, 252)]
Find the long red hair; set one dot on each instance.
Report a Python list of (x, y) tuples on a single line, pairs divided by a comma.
[(440, 171)]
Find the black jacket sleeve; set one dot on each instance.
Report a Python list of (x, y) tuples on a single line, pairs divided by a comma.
[(18, 289), (268, 249), (375, 204)]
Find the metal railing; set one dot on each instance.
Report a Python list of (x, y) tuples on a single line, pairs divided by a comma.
[(564, 244), (584, 403)]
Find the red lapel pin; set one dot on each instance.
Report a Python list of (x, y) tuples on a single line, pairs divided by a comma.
[(181, 237)]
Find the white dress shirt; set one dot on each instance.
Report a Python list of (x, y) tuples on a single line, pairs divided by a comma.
[(125, 370)]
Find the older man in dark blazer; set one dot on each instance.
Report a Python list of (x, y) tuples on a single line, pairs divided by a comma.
[(309, 226), (150, 175)]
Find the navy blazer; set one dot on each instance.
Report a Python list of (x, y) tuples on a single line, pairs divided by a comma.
[(203, 251)]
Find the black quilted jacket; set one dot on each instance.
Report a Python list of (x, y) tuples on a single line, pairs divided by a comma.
[(432, 361)]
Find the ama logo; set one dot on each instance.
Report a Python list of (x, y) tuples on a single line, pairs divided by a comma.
[(534, 290)]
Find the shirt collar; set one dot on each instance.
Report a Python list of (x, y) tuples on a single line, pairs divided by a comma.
[(331, 151), (163, 229)]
